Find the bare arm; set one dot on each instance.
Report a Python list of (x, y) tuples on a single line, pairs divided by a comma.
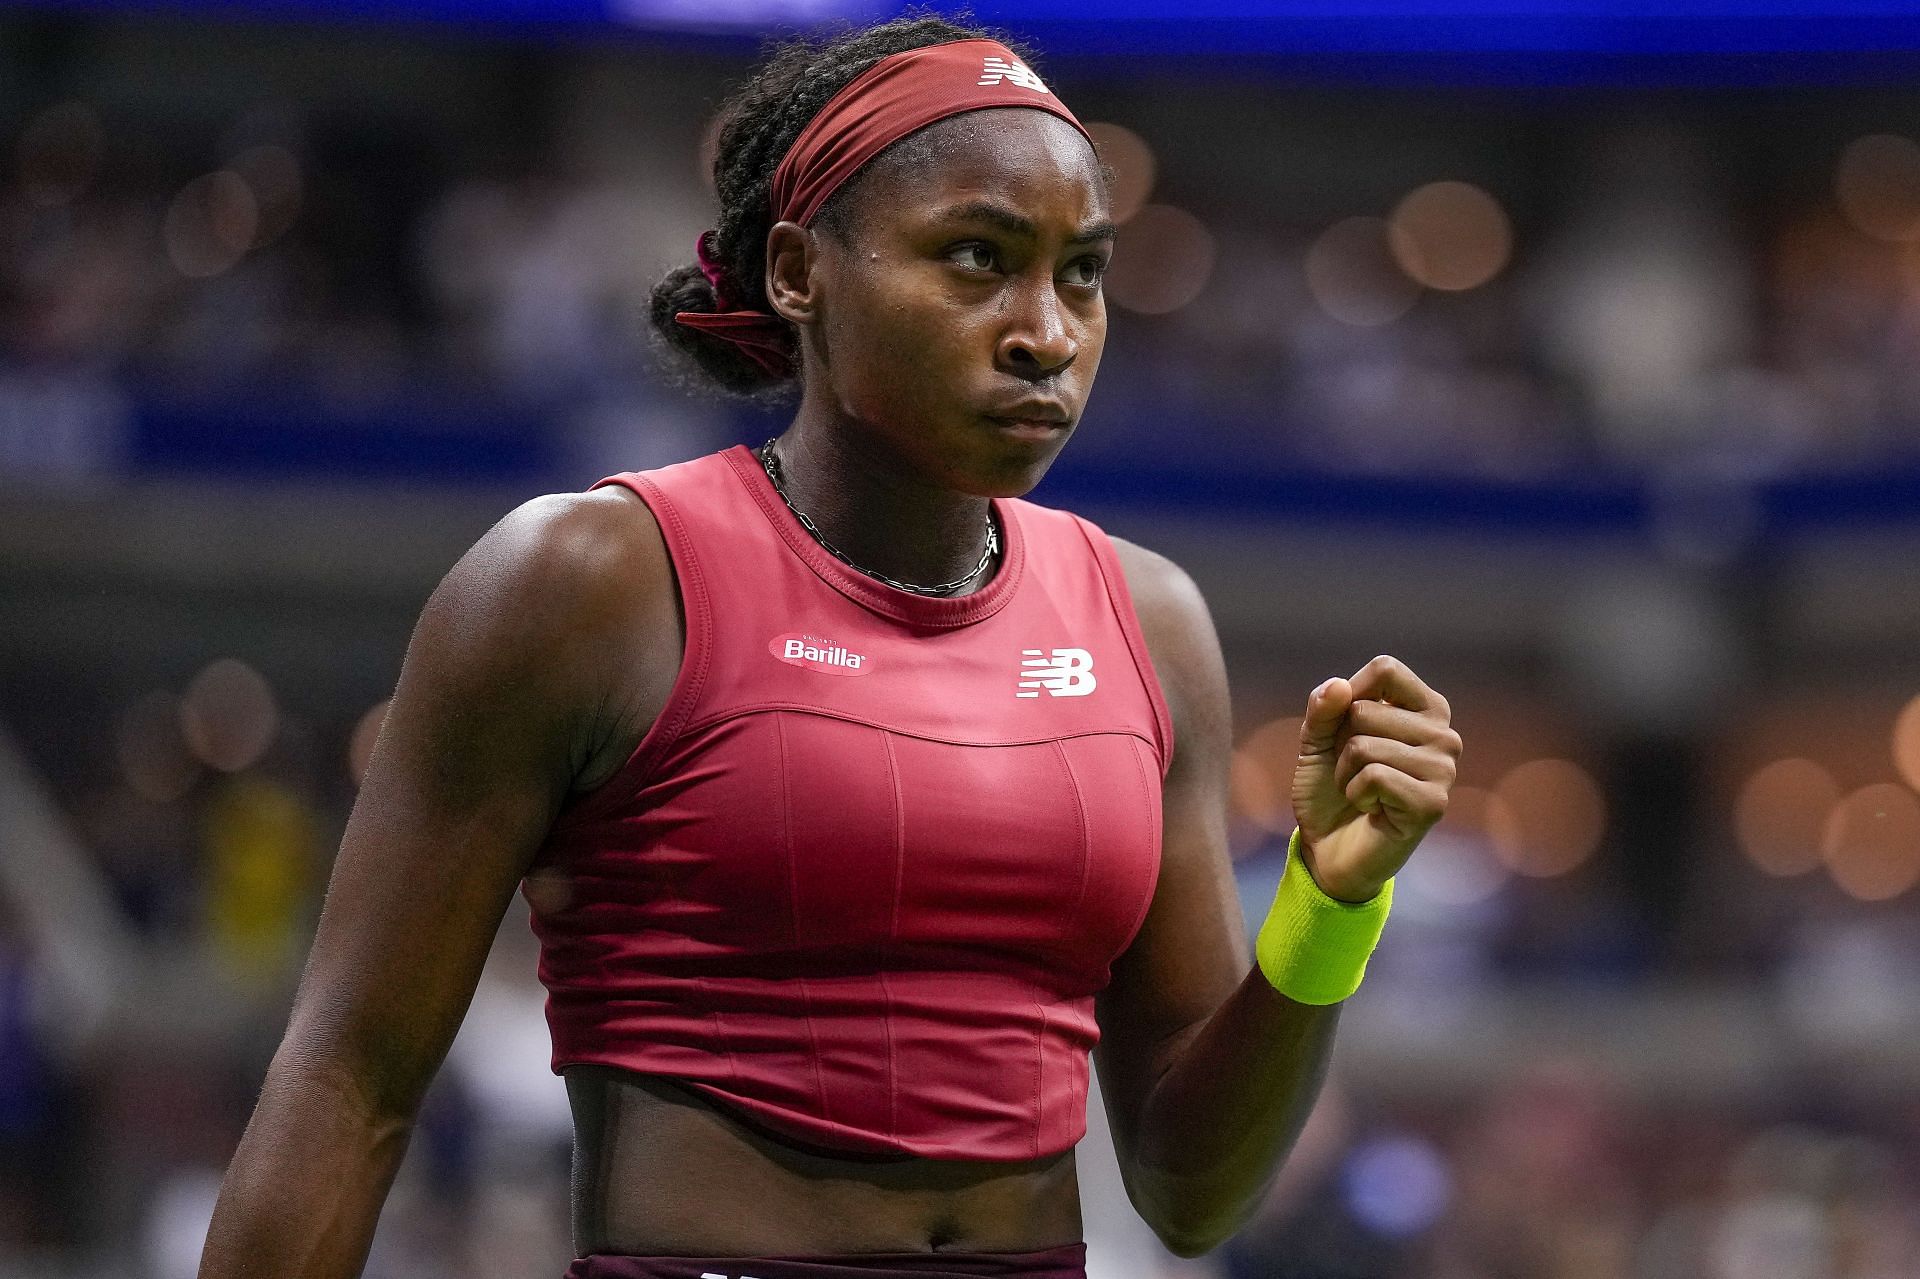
[(1207, 1071), (506, 701)]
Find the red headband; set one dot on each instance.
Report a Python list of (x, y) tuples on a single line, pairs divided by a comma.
[(884, 103)]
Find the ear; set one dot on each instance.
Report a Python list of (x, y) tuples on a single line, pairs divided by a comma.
[(793, 286)]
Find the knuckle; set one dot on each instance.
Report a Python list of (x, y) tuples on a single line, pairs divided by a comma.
[(1371, 775)]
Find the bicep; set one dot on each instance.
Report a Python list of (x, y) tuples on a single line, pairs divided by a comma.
[(470, 766), (1192, 950)]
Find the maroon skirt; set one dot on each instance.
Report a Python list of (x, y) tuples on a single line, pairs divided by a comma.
[(1068, 1261)]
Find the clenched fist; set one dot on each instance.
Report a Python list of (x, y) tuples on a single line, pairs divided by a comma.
[(1378, 756)]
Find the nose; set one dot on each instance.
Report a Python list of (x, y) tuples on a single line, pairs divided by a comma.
[(1037, 341)]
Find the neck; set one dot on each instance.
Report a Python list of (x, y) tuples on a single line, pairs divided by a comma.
[(882, 515)]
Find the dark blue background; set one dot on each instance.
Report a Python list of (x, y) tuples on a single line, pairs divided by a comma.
[(1557, 40)]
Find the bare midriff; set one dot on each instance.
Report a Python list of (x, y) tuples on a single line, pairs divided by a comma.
[(659, 1170)]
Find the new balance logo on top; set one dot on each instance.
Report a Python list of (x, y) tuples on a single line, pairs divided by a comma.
[(709, 1274), (1067, 673), (997, 69)]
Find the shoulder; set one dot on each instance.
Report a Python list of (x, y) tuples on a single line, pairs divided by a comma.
[(1179, 632), (552, 584), (1165, 597), (556, 634), (571, 553)]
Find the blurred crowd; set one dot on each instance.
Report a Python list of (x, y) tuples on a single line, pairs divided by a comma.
[(1415, 282), (1533, 1084), (1559, 1179), (1445, 293)]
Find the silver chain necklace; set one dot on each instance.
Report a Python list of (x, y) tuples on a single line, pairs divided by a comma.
[(768, 460)]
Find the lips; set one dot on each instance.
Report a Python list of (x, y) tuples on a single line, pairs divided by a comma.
[(1032, 413), (1028, 431)]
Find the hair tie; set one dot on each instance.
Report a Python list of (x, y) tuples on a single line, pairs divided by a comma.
[(722, 296), (890, 99), (761, 335)]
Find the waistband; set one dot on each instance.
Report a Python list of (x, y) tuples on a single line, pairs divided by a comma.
[(1068, 1261)]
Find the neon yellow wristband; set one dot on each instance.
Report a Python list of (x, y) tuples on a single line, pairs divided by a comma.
[(1313, 948)]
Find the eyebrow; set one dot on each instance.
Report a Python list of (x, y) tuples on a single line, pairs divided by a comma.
[(1018, 223)]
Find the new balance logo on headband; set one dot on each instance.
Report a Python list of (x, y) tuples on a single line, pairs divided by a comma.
[(997, 69)]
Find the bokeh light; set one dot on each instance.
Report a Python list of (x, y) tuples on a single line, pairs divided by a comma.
[(1132, 165), (1164, 262), (1906, 742), (260, 840), (1450, 235), (211, 224), (228, 716), (59, 153), (153, 754), (1559, 814), (1396, 1185), (1479, 813), (360, 745), (1352, 274), (1877, 183), (1466, 858), (1780, 813), (272, 174), (1251, 790), (1261, 780), (1872, 842)]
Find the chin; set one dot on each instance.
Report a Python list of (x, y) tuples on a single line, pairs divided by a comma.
[(1022, 461)]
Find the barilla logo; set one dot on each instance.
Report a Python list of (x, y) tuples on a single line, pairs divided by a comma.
[(814, 653), (994, 70)]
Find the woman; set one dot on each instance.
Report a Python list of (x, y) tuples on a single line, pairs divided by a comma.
[(855, 798)]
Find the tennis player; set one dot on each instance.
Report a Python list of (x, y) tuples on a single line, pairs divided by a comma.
[(857, 799)]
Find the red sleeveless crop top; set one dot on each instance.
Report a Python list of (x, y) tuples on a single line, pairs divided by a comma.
[(863, 877)]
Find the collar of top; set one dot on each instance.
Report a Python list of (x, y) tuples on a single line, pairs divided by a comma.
[(896, 95)]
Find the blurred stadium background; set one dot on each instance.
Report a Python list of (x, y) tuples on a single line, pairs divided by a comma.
[(1572, 356)]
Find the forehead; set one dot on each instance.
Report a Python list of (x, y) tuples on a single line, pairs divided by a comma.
[(1033, 160)]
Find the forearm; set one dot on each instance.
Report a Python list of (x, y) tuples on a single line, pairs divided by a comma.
[(1215, 1128), (304, 1191)]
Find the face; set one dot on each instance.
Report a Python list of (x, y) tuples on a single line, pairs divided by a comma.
[(958, 317)]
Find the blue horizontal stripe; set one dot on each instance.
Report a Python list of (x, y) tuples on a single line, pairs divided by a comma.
[(435, 438)]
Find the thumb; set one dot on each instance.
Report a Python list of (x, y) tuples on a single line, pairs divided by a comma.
[(1326, 708)]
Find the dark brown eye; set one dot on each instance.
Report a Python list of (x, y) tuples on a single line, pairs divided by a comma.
[(1086, 271), (975, 257)]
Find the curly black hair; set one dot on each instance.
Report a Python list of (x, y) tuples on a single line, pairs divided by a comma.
[(758, 123)]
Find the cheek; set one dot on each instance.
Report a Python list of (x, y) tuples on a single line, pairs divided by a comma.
[(1094, 340), (901, 347)]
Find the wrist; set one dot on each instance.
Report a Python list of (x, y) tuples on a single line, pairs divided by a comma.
[(1313, 947), (1349, 892)]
